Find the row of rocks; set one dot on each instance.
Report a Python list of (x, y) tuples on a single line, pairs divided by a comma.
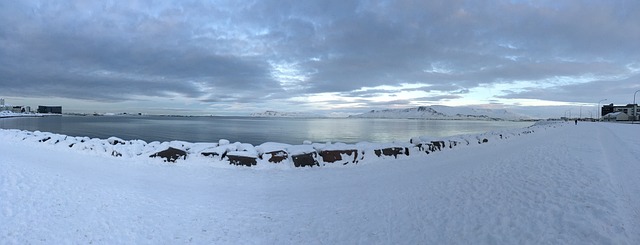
[(306, 155)]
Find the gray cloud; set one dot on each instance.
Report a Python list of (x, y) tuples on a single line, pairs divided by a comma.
[(226, 51), (616, 91)]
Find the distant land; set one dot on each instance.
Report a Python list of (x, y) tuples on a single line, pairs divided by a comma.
[(285, 114), (438, 112)]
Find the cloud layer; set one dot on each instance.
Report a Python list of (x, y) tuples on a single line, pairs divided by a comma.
[(320, 55)]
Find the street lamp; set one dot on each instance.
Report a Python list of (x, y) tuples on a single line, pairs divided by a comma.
[(599, 117), (635, 110)]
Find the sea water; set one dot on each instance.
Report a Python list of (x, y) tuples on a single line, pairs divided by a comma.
[(253, 130)]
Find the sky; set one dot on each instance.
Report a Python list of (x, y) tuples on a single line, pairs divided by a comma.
[(332, 57)]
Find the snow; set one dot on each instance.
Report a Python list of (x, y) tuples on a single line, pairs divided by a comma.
[(6, 114), (547, 184)]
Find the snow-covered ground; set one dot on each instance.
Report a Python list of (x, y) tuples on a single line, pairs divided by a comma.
[(569, 184)]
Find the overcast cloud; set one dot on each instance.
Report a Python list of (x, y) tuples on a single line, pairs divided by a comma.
[(238, 57)]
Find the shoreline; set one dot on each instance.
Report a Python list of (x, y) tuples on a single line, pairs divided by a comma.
[(7, 114), (268, 154)]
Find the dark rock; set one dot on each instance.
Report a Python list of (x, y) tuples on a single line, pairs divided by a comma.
[(116, 154), (171, 154), (116, 142), (303, 160), (437, 145), (209, 154), (485, 140), (332, 156), (423, 147), (277, 156), (392, 151), (242, 160), (45, 139), (430, 147)]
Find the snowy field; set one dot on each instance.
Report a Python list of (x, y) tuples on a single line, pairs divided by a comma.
[(560, 185)]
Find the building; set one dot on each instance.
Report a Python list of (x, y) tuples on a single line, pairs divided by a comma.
[(50, 109), (630, 111)]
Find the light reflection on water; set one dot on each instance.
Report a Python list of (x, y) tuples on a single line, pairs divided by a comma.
[(253, 130)]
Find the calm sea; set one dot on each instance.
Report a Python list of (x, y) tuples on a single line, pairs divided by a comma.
[(252, 130)]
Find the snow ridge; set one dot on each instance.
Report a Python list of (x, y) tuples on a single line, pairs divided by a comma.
[(440, 112)]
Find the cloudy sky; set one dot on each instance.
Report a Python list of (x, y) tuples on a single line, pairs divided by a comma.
[(332, 57)]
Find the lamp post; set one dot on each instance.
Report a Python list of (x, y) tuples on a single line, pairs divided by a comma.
[(599, 117), (635, 110)]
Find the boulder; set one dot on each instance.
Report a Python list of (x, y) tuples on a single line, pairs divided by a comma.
[(437, 145), (332, 156), (171, 154), (305, 159), (392, 151), (210, 154), (241, 160), (115, 141), (274, 152), (276, 156)]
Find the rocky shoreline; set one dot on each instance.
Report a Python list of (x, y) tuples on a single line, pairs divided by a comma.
[(267, 154)]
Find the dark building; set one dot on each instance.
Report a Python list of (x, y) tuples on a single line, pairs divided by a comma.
[(626, 109), (50, 109), (606, 109)]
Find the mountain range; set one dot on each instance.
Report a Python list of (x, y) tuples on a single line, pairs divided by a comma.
[(436, 112), (443, 113)]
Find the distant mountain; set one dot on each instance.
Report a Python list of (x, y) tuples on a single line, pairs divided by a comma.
[(284, 114), (443, 113)]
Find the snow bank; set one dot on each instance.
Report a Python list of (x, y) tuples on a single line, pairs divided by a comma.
[(267, 155)]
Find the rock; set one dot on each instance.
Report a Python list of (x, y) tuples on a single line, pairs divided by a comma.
[(437, 145), (331, 156), (392, 151), (217, 151), (306, 159), (210, 154), (241, 160), (276, 156), (171, 154), (115, 141)]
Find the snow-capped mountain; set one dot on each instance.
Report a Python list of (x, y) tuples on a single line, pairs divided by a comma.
[(443, 113), (284, 114)]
